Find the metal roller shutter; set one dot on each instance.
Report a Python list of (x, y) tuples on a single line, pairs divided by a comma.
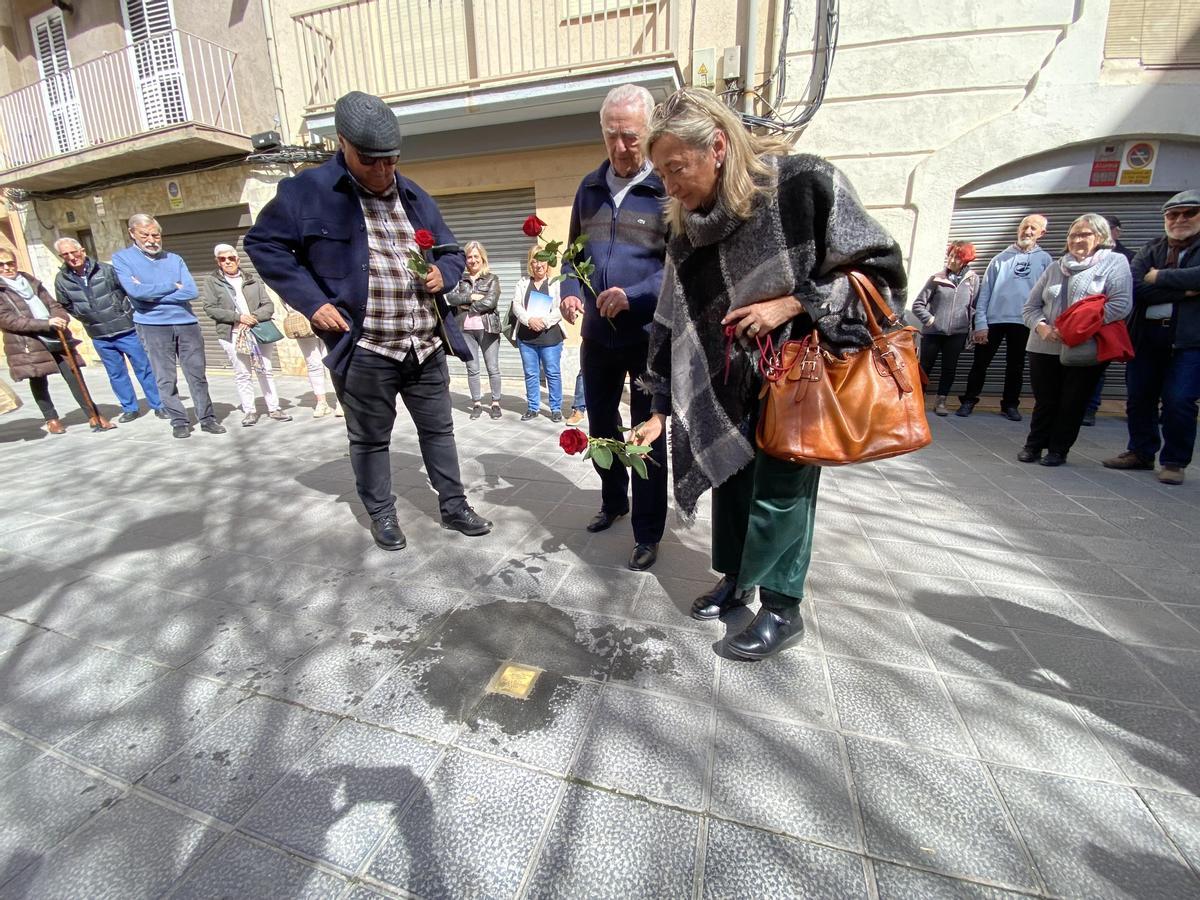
[(494, 219), (991, 223)]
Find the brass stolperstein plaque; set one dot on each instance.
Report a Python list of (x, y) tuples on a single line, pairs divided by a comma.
[(513, 680)]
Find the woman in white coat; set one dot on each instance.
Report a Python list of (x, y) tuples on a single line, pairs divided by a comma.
[(539, 337)]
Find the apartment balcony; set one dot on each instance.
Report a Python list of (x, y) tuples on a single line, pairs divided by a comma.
[(164, 101), (446, 66)]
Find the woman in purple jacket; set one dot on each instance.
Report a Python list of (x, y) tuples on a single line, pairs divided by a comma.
[(945, 306)]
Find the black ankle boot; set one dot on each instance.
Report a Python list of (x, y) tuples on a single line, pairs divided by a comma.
[(773, 628), (722, 598)]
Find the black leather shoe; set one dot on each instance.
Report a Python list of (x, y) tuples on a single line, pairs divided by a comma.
[(161, 413), (770, 631), (721, 599), (212, 428), (468, 522), (387, 533), (529, 414), (965, 408), (604, 520), (1053, 459), (1028, 455), (643, 556), (555, 416), (181, 431), (1011, 413), (123, 418)]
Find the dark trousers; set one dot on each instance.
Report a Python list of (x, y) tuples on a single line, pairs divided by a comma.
[(1015, 337), (113, 352), (368, 393), (39, 386), (1163, 386), (1060, 398), (605, 374), (169, 346), (949, 347)]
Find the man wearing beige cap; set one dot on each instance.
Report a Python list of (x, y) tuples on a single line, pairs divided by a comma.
[(335, 242), (1163, 380)]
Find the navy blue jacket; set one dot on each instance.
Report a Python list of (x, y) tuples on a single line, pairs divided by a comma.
[(627, 246), (1180, 286), (310, 245)]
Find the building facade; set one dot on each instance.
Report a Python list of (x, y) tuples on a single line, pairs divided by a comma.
[(950, 119)]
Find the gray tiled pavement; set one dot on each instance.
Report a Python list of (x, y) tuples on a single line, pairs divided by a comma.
[(212, 683)]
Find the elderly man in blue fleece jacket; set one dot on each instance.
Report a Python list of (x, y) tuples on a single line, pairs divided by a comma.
[(162, 290), (620, 208)]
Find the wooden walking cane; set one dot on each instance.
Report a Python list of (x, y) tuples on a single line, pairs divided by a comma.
[(95, 420)]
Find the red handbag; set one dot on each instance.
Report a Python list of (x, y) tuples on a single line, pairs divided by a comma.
[(828, 410)]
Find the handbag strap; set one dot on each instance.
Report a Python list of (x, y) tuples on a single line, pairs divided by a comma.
[(868, 294)]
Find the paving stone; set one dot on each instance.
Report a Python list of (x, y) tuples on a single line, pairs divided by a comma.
[(934, 811), (903, 883), (1179, 670), (542, 730), (1087, 577), (787, 686), (1041, 609), (239, 868), (746, 862), (1101, 668), (405, 610), (335, 675), (604, 590), (937, 597), (1154, 746), (1001, 566), (651, 746), (836, 583), (336, 803), (256, 652), (784, 777), (137, 849), (1094, 840), (602, 845), (13, 633), (978, 651), (1020, 726), (1179, 815), (15, 753), (670, 661), (899, 704), (39, 660), (571, 642), (152, 725), (668, 601), (872, 634), (311, 592), (225, 769), (471, 833), (916, 558), (1132, 621), (177, 638)]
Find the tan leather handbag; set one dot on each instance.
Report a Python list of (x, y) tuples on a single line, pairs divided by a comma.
[(295, 325), (825, 410)]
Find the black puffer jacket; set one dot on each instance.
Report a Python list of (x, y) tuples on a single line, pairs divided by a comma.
[(98, 301)]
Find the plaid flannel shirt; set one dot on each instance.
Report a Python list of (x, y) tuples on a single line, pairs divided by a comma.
[(400, 314)]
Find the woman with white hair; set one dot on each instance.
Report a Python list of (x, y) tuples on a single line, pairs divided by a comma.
[(1063, 379), (237, 301)]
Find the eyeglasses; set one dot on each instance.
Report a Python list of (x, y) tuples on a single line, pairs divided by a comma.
[(8, 263), (227, 259), (364, 160), (1189, 212), (1080, 234)]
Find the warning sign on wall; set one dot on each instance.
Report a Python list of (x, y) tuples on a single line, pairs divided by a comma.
[(1106, 165), (1137, 163)]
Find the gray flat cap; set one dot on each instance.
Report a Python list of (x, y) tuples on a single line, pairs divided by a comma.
[(367, 123), (1183, 198)]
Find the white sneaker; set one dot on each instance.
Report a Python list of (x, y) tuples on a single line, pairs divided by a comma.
[(322, 409)]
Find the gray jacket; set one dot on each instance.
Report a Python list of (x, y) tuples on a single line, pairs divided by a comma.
[(217, 294), (1108, 275), (946, 308)]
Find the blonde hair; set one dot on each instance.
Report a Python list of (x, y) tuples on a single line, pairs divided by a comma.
[(5, 253), (475, 245), (695, 118), (535, 248)]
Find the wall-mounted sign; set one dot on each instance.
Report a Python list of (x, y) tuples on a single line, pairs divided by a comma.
[(175, 194), (1106, 166), (1137, 163)]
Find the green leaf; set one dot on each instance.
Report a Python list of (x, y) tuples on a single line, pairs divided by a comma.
[(603, 457), (587, 454), (548, 257), (639, 448), (639, 465), (553, 246)]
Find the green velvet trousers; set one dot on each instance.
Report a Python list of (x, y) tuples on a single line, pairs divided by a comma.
[(763, 525)]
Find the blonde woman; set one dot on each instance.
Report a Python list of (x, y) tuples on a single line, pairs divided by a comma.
[(475, 299), (539, 337)]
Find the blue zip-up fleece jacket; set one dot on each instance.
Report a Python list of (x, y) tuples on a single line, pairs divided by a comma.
[(1009, 278), (310, 246), (627, 246), (149, 282)]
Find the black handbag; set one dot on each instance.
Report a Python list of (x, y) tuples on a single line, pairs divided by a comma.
[(510, 327)]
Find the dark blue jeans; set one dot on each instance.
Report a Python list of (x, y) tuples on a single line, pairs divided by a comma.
[(113, 352), (1163, 385)]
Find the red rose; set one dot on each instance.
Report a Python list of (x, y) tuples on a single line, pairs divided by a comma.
[(533, 226), (573, 441), (424, 238)]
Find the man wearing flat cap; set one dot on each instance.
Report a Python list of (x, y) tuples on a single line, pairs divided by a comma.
[(1163, 380), (334, 243)]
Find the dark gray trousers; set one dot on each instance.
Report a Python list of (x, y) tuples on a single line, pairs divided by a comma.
[(182, 345)]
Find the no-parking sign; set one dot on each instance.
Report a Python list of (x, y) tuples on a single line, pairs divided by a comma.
[(1137, 163)]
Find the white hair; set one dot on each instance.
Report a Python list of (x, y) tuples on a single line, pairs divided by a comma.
[(1098, 224), (142, 219), (629, 95), (224, 248), (64, 243)]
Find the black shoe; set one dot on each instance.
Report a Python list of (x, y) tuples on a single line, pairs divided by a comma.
[(181, 431), (1028, 455), (212, 428), (161, 413), (1089, 418), (387, 533), (643, 557), (769, 632), (123, 418), (476, 411), (555, 416), (721, 599), (1053, 459), (495, 411), (468, 522), (604, 520), (1011, 413), (529, 414), (965, 408)]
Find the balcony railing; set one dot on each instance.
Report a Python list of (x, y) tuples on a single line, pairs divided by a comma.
[(394, 47), (169, 79)]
